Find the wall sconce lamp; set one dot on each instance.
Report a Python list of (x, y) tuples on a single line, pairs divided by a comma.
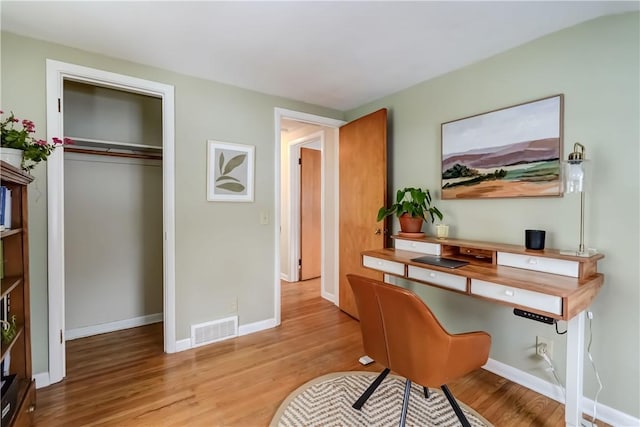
[(574, 182)]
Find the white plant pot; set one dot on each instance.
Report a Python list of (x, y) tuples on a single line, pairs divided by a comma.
[(13, 156)]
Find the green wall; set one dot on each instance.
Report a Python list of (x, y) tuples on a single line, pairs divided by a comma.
[(222, 251), (596, 66)]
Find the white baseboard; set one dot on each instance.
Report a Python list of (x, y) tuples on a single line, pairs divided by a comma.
[(284, 276), (183, 345), (328, 296), (42, 379), (604, 413), (257, 327), (87, 331)]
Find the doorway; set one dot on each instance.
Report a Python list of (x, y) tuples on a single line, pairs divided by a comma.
[(310, 260), (290, 128), (57, 73), (371, 131)]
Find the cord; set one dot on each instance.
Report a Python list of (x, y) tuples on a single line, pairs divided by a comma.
[(557, 331), (595, 369), (552, 368)]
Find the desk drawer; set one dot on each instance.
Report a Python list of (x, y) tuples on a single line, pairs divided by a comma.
[(516, 296), (383, 265), (414, 246), (536, 263), (451, 281)]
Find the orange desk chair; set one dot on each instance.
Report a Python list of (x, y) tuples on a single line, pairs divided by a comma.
[(402, 334)]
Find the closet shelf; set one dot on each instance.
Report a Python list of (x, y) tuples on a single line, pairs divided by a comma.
[(118, 145), (129, 154)]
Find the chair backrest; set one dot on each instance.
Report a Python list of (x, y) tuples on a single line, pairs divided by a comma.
[(371, 327), (417, 346)]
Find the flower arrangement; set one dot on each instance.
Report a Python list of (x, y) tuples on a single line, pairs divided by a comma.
[(21, 137)]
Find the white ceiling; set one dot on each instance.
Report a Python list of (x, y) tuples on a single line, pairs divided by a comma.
[(335, 54)]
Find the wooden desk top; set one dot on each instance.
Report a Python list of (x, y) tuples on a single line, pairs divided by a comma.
[(576, 293)]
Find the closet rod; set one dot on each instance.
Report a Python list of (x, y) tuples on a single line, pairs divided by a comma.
[(113, 153)]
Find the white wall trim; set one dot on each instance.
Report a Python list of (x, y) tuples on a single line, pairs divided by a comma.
[(42, 379), (56, 73), (183, 345), (285, 277), (87, 331), (262, 325), (604, 413), (328, 296)]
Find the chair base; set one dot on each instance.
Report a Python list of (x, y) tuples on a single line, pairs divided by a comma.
[(369, 391), (455, 406)]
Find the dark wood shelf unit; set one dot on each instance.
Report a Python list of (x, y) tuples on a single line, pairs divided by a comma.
[(15, 301)]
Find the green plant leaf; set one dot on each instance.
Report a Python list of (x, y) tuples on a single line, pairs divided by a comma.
[(234, 163), (223, 177), (384, 212), (231, 186), (221, 162)]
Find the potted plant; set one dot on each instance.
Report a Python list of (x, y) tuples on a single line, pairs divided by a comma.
[(19, 147), (411, 207)]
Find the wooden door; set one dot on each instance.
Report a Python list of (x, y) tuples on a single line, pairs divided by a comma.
[(310, 213), (363, 189)]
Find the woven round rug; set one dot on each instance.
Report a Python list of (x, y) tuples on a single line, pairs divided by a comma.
[(327, 400)]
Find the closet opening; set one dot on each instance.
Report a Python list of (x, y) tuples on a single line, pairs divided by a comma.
[(113, 210)]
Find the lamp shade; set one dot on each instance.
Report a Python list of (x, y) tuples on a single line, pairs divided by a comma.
[(574, 171)]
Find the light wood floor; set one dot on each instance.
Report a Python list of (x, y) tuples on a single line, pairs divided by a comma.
[(124, 379)]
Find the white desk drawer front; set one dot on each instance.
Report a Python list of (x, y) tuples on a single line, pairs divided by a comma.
[(383, 265), (422, 247), (546, 265), (447, 280), (549, 303)]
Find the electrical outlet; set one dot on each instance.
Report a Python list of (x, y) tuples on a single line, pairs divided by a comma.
[(544, 346)]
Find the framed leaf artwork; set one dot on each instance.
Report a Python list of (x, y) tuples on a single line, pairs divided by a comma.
[(230, 172)]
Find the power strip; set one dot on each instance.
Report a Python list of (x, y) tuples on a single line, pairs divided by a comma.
[(534, 316)]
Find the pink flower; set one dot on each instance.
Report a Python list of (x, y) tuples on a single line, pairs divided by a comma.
[(41, 142), (68, 141), (57, 140), (29, 126)]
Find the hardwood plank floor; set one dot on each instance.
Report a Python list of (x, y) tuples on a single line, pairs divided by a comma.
[(124, 379)]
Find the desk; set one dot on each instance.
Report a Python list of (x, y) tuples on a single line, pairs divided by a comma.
[(545, 283)]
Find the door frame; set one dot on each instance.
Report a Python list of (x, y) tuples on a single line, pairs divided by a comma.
[(294, 201), (279, 114), (56, 73)]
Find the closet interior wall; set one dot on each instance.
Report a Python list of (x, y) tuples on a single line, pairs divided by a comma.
[(113, 209)]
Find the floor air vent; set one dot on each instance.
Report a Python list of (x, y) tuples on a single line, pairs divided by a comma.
[(217, 330)]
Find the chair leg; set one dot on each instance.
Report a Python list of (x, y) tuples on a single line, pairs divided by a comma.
[(426, 392), (405, 403), (455, 406), (369, 391)]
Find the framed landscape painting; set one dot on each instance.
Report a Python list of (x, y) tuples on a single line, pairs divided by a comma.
[(229, 172), (510, 152)]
